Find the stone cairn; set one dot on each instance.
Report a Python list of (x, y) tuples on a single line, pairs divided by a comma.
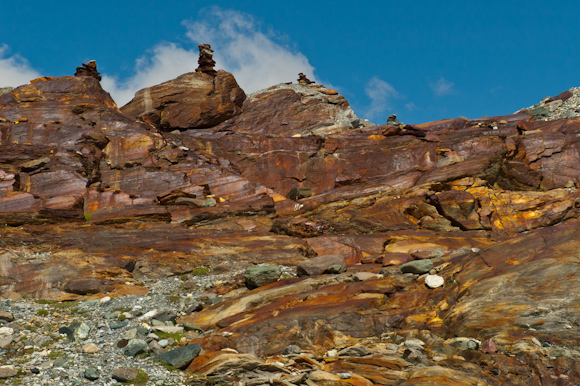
[(302, 79), (392, 120), (206, 62), (89, 69)]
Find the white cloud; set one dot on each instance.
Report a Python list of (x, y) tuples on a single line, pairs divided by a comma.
[(411, 106), (257, 59), (442, 87), (380, 94), (15, 70), (163, 62)]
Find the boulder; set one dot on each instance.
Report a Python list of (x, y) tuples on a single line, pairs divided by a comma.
[(181, 357), (262, 275), (134, 347), (195, 100), (417, 266), (288, 110)]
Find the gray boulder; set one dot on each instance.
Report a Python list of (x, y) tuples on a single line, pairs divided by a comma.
[(417, 266), (262, 275), (181, 357), (134, 347)]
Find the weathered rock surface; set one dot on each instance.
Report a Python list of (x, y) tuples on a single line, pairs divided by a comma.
[(100, 202), (194, 100), (288, 110)]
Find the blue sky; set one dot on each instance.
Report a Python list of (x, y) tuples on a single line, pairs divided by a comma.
[(422, 60)]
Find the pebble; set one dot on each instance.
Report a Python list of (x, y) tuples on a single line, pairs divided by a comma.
[(7, 371), (91, 348), (434, 281)]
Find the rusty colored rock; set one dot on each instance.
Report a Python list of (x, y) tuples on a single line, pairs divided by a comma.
[(194, 100), (489, 347), (89, 69)]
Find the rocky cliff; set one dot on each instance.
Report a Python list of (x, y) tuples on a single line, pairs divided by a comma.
[(440, 253)]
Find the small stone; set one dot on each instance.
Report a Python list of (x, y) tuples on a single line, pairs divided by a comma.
[(536, 342), (155, 348), (489, 347), (165, 315), (332, 353), (148, 315), (105, 299), (91, 348), (77, 331), (344, 375), (292, 349), (364, 276), (414, 344), (92, 373), (35, 370), (417, 266), (180, 357), (124, 374), (122, 343), (194, 307), (134, 347), (434, 281), (6, 316), (157, 323), (7, 372), (116, 325), (163, 343), (472, 345), (169, 329), (355, 351), (5, 341), (60, 362)]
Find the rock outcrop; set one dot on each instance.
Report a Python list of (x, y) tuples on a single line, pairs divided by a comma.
[(194, 100), (290, 110), (89, 69), (97, 201), (565, 105)]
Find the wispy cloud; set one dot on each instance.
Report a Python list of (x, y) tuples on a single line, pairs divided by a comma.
[(380, 93), (442, 87), (14, 70), (257, 59), (411, 106)]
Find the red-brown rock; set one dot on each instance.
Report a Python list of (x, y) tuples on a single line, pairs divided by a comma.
[(191, 101)]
